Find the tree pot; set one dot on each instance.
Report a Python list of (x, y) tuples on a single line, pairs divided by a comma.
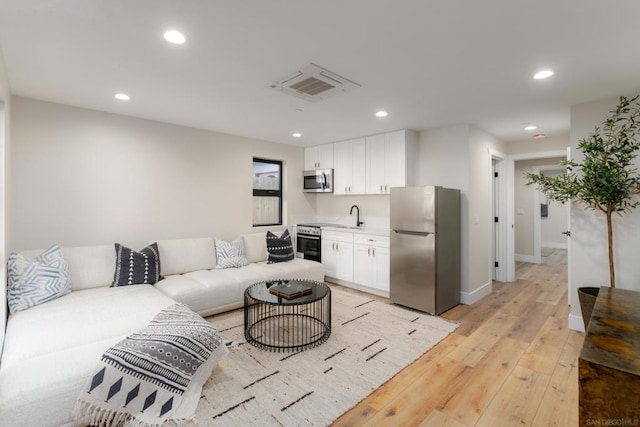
[(587, 296)]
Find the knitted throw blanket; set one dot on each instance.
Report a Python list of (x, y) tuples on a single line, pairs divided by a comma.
[(153, 377)]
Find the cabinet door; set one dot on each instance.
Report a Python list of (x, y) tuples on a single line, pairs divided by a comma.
[(325, 156), (396, 160), (358, 166), (310, 158), (362, 265), (344, 263), (381, 261), (329, 258), (375, 169), (342, 171)]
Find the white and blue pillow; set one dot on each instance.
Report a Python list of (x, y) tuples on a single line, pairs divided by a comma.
[(36, 281), (230, 254)]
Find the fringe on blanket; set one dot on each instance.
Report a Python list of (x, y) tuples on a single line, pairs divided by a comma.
[(86, 414)]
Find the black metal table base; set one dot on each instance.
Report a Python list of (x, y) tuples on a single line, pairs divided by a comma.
[(287, 325)]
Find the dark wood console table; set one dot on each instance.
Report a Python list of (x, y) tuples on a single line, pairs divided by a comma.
[(609, 364)]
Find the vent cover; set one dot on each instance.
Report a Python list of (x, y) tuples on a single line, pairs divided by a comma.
[(314, 83)]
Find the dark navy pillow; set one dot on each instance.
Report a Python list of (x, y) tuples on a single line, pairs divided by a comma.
[(136, 268), (280, 248)]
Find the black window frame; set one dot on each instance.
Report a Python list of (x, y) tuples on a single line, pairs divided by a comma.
[(270, 193)]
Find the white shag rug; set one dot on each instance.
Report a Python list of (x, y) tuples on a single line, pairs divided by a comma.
[(370, 342)]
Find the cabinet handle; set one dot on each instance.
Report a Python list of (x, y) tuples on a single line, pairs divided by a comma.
[(368, 251), (385, 187), (345, 188), (380, 187), (374, 251)]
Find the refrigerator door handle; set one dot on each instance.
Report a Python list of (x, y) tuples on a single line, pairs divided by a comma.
[(413, 233)]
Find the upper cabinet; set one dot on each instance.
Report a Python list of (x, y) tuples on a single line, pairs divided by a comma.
[(349, 164), (319, 157), (368, 165), (389, 160)]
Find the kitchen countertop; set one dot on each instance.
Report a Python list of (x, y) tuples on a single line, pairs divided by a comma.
[(360, 230)]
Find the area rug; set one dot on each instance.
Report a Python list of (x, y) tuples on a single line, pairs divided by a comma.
[(371, 341)]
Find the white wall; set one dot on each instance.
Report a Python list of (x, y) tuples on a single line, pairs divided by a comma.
[(480, 222), (459, 157), (538, 145), (5, 108), (82, 177), (588, 258)]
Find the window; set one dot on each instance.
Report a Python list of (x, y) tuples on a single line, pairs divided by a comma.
[(267, 192)]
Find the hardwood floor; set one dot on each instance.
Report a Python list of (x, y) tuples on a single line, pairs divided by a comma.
[(513, 361)]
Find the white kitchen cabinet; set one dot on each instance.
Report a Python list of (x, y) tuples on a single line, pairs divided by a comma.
[(389, 160), (349, 165), (318, 157), (337, 254), (371, 261)]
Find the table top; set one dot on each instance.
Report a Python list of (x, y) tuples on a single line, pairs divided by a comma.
[(260, 291), (613, 336)]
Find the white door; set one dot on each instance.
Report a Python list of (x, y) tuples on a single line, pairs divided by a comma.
[(325, 156), (344, 261), (376, 164), (362, 265), (395, 156), (381, 260), (310, 158), (358, 166), (342, 171), (329, 258)]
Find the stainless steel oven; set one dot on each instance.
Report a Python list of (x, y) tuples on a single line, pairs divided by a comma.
[(309, 242)]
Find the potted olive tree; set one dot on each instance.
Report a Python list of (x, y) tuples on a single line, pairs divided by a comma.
[(605, 180)]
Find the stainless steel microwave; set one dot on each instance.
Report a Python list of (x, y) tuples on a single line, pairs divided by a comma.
[(318, 181)]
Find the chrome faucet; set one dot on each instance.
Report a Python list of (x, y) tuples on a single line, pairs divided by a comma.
[(358, 222)]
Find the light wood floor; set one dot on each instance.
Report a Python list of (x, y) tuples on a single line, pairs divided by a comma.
[(512, 362)]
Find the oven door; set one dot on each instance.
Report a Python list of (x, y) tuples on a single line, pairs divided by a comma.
[(309, 246)]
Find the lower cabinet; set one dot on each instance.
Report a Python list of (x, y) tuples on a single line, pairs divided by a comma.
[(371, 261), (337, 255)]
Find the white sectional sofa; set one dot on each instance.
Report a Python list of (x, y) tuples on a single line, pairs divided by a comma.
[(51, 349)]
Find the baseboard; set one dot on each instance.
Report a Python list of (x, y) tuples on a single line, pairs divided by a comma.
[(526, 258), (475, 296), (553, 245), (576, 323), (362, 288)]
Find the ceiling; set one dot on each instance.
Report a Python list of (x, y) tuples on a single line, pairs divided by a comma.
[(429, 63)]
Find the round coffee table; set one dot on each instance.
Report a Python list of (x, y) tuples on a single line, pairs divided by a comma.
[(287, 315)]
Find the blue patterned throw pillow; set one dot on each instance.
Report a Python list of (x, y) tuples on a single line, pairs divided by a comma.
[(136, 268), (36, 281), (280, 248), (230, 254)]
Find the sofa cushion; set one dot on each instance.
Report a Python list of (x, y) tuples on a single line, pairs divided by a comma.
[(134, 268), (255, 247), (184, 255), (36, 281), (89, 266), (230, 254), (280, 248), (51, 349)]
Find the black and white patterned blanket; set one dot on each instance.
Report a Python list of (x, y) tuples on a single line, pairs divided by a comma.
[(154, 376)]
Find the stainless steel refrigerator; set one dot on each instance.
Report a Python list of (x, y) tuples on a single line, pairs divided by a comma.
[(425, 248)]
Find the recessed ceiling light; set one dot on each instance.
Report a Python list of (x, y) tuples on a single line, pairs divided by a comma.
[(175, 37), (297, 135), (544, 74), (122, 96), (381, 114), (530, 127)]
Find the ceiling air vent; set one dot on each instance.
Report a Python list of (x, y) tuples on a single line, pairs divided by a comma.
[(314, 83)]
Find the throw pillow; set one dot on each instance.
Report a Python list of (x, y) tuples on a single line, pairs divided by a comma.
[(230, 254), (136, 268), (280, 248), (36, 281)]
